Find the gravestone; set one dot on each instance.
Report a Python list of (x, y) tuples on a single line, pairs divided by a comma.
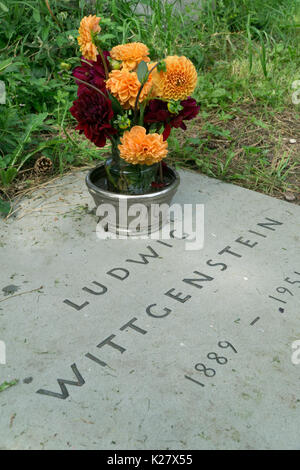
[(143, 344), (186, 6)]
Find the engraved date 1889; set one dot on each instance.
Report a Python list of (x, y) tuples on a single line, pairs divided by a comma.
[(219, 360)]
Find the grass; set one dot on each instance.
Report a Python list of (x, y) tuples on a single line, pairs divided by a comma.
[(243, 149), (247, 56), (6, 385)]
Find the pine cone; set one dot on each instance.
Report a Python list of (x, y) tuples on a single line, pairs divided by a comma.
[(43, 165)]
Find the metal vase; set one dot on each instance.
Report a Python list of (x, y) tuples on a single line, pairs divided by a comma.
[(122, 220)]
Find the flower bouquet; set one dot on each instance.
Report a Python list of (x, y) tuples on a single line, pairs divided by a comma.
[(125, 98)]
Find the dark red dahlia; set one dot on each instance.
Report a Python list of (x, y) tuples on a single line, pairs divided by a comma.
[(157, 111), (93, 112), (91, 72)]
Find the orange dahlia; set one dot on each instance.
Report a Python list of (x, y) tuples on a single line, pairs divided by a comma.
[(88, 24), (137, 147), (179, 80), (130, 54), (125, 85)]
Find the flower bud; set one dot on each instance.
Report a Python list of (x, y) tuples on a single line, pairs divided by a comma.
[(65, 66), (174, 107), (125, 123), (115, 64)]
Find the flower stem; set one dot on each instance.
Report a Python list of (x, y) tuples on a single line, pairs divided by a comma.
[(104, 62), (161, 172), (142, 110), (53, 16), (97, 43), (91, 86), (109, 177)]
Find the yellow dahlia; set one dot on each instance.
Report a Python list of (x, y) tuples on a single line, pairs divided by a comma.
[(130, 54), (179, 80), (88, 24), (125, 85), (137, 147)]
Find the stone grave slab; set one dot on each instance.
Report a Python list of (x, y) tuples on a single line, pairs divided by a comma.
[(136, 344)]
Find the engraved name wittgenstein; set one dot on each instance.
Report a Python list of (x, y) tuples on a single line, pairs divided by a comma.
[(223, 261)]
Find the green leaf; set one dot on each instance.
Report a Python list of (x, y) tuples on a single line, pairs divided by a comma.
[(142, 71), (3, 7), (117, 108), (45, 33), (8, 175), (218, 92), (105, 37), (4, 207), (259, 123), (61, 39), (6, 385), (36, 15), (4, 64), (34, 123), (162, 66)]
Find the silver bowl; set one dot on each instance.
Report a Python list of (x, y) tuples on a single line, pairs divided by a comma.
[(122, 218)]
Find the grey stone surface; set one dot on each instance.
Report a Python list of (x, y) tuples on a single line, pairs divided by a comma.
[(149, 394), (190, 7)]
